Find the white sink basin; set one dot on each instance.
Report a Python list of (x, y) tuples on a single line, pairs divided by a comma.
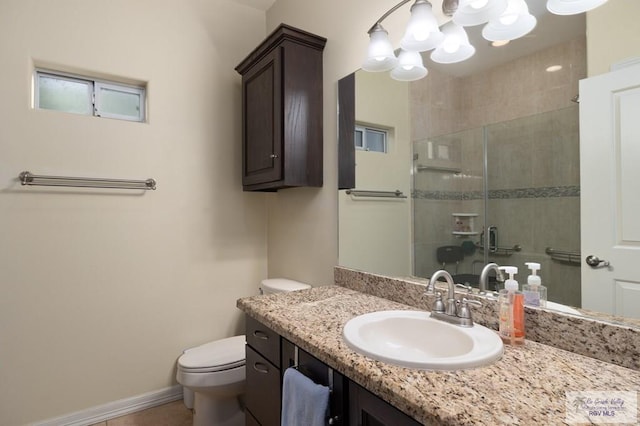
[(562, 308), (413, 339)]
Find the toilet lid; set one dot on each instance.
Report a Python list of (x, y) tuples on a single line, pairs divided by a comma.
[(218, 355)]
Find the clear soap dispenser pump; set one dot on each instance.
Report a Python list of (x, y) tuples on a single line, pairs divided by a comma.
[(535, 294), (511, 310)]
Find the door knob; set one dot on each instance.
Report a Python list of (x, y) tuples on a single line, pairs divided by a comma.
[(595, 261)]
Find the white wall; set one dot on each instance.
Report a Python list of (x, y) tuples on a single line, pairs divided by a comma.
[(100, 290)]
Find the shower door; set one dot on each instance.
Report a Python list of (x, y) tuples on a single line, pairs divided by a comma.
[(505, 193)]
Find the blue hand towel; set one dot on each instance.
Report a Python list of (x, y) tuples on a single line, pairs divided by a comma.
[(303, 401)]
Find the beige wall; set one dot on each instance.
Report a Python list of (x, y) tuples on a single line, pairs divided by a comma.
[(612, 35), (101, 290)]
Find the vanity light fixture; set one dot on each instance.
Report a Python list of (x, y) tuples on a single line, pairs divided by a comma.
[(513, 23), (572, 7), (553, 68), (422, 32), (410, 67), (504, 20), (455, 47)]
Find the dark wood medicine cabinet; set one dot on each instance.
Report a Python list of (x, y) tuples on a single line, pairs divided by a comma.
[(282, 111)]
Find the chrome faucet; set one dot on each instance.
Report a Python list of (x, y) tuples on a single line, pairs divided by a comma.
[(450, 312), (484, 276), (451, 297)]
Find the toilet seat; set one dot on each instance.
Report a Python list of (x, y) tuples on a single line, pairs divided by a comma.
[(219, 355)]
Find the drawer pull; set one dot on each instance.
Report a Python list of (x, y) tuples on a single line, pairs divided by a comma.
[(259, 334), (261, 368)]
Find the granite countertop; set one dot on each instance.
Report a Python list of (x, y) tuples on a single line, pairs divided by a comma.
[(527, 386)]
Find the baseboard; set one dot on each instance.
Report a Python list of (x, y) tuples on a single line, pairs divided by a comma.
[(118, 408)]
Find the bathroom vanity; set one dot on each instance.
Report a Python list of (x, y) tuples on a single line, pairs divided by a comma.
[(527, 386), (269, 355)]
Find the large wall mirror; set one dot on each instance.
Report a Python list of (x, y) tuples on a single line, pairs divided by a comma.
[(478, 162)]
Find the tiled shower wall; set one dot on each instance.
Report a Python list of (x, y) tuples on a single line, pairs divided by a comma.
[(533, 155)]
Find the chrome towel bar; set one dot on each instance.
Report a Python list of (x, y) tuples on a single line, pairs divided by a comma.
[(28, 178), (383, 194)]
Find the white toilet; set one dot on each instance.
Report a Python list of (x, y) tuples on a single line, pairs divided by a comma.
[(213, 374)]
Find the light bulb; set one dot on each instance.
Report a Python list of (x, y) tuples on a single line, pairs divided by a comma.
[(508, 19), (479, 4), (514, 9), (451, 45)]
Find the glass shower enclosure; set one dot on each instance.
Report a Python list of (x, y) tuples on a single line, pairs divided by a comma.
[(506, 193)]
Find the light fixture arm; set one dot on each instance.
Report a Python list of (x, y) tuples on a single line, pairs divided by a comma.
[(449, 7), (377, 25)]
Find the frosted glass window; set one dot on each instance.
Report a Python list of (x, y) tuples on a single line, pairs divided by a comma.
[(65, 94), (125, 103), (82, 95), (359, 138), (371, 139)]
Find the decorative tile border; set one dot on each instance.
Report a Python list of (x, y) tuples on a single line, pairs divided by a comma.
[(603, 337), (517, 193)]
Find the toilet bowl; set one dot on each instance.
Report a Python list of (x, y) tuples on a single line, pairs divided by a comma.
[(213, 374)]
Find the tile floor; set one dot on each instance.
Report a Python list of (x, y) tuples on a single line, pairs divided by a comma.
[(171, 414)]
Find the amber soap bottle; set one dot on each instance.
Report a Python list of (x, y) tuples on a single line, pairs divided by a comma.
[(511, 310)]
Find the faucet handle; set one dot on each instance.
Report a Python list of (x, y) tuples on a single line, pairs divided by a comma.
[(464, 311), (438, 305), (466, 287), (471, 302)]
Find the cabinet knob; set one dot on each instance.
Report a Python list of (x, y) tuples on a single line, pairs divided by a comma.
[(273, 156)]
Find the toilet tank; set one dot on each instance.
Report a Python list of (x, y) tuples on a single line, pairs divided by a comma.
[(281, 285)]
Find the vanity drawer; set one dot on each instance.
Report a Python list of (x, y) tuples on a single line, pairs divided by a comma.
[(262, 395), (263, 340)]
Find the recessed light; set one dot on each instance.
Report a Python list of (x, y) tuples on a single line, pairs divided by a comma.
[(554, 68), (500, 43)]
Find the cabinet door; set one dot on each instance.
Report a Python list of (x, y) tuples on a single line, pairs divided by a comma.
[(262, 122), (264, 340), (262, 395), (366, 409)]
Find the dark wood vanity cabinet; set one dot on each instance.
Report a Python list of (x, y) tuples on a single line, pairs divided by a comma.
[(264, 380), (282, 111), (269, 355), (366, 409)]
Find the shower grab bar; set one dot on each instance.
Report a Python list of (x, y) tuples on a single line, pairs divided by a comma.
[(377, 194), (501, 251), (445, 169), (28, 178), (564, 255)]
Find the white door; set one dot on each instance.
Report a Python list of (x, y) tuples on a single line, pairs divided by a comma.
[(610, 191)]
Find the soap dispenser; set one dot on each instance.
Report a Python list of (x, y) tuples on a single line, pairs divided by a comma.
[(535, 294), (511, 310)]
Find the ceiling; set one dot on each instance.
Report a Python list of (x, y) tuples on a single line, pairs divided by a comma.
[(257, 4)]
